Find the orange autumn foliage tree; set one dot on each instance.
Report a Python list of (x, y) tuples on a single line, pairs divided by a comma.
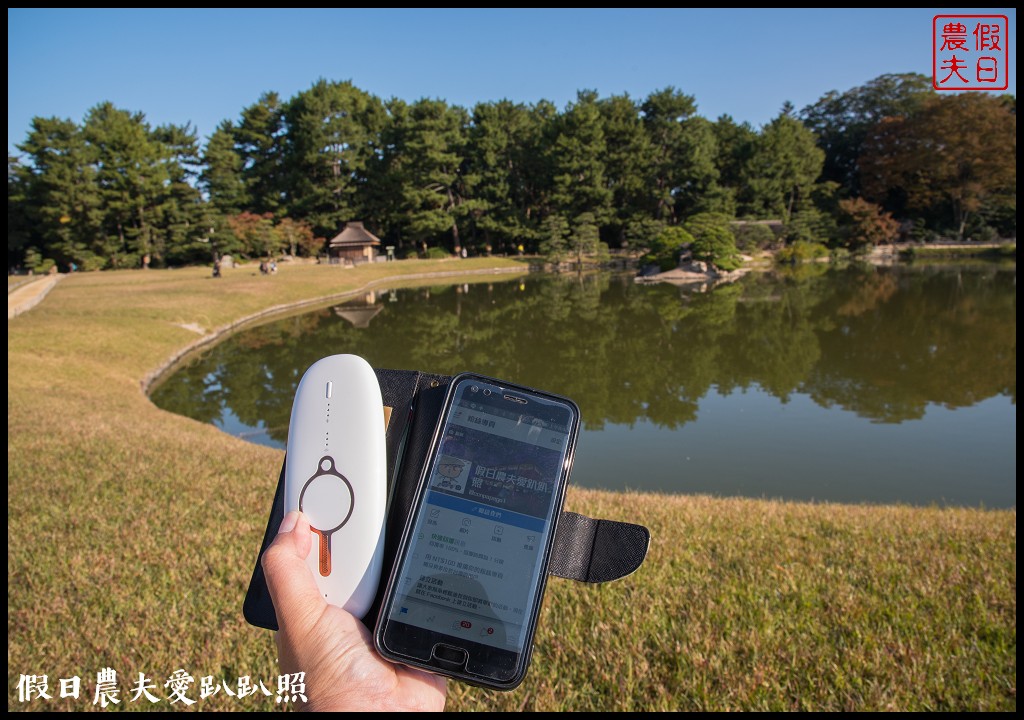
[(957, 155), (863, 224)]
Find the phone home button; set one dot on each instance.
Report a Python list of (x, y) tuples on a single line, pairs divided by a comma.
[(449, 655)]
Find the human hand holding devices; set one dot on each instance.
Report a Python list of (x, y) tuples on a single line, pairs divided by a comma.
[(333, 648)]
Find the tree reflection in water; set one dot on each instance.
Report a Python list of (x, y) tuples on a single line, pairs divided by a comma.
[(883, 343)]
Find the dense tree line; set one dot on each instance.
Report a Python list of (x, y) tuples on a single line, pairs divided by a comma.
[(613, 172)]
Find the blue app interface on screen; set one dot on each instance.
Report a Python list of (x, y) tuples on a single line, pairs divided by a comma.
[(473, 564)]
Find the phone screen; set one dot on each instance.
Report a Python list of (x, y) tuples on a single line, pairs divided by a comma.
[(472, 568)]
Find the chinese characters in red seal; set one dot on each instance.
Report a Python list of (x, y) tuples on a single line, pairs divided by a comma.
[(970, 52)]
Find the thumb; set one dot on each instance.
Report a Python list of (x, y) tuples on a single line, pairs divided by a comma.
[(297, 600)]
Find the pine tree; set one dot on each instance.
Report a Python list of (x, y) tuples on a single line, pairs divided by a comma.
[(423, 155), (628, 155), (333, 134), (181, 207), (502, 138), (577, 153), (259, 138), (735, 142), (19, 236), (554, 243), (59, 194), (784, 165), (131, 178), (664, 113), (221, 176), (584, 241)]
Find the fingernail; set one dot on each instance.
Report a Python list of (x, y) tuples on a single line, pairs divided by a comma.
[(288, 524)]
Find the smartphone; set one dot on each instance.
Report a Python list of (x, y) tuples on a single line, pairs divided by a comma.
[(469, 578)]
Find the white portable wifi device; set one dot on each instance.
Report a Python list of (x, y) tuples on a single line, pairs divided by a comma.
[(336, 474)]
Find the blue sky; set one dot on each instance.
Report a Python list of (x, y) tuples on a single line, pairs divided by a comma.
[(204, 66)]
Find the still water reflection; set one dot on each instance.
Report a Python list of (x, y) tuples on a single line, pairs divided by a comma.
[(856, 385)]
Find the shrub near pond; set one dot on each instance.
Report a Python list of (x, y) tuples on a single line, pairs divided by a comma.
[(433, 253), (713, 241), (664, 249), (751, 236), (801, 251)]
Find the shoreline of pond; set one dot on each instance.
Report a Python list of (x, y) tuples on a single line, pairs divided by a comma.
[(155, 377), (699, 274)]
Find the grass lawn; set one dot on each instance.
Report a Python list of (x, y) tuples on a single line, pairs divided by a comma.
[(16, 281), (1007, 251), (132, 533)]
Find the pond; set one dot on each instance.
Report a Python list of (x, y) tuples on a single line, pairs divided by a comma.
[(855, 384)]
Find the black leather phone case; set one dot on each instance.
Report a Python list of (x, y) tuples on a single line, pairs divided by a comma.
[(585, 549)]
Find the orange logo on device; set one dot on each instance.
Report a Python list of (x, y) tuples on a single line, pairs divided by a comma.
[(327, 500)]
